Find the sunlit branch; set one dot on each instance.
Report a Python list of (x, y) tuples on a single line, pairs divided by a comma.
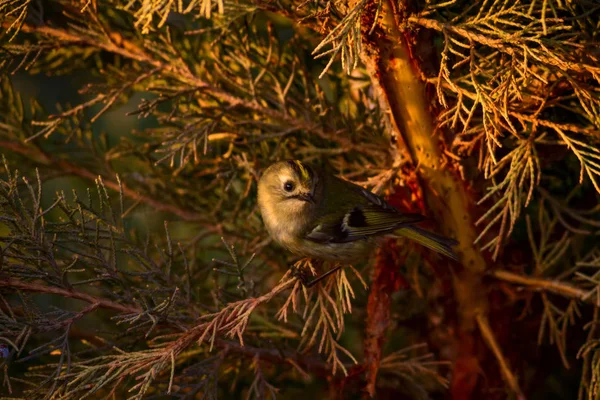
[(542, 284)]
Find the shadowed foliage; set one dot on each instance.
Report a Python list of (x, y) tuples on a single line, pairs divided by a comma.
[(133, 260)]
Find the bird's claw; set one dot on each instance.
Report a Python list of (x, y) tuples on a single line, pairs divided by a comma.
[(306, 273), (303, 274)]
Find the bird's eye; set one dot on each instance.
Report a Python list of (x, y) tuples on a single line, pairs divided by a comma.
[(288, 186)]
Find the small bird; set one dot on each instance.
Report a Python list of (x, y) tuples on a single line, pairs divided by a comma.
[(315, 214)]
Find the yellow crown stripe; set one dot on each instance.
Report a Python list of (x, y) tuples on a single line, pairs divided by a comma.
[(303, 170)]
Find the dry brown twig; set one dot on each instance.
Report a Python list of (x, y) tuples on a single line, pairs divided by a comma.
[(233, 319), (490, 339), (403, 363), (323, 311)]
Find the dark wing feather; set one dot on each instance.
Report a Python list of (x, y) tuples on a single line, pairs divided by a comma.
[(373, 216)]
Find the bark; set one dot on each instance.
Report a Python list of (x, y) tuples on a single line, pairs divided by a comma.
[(386, 280), (390, 61)]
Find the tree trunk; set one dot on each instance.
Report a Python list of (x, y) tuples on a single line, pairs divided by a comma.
[(449, 202)]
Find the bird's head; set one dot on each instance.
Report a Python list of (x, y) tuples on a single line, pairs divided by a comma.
[(288, 196), (289, 185)]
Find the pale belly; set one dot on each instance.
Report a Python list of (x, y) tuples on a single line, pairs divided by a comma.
[(338, 252), (291, 237)]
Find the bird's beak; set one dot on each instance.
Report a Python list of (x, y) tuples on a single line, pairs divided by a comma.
[(308, 197)]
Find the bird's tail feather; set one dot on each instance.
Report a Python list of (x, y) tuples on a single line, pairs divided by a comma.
[(441, 244)]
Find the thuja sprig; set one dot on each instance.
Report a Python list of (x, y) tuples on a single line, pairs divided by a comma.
[(236, 268)]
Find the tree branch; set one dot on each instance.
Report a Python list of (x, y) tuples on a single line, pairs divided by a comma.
[(295, 359), (389, 59), (515, 49), (543, 284), (42, 157), (386, 280), (73, 294), (490, 340), (128, 49)]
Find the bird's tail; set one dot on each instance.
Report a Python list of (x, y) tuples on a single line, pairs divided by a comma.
[(439, 243)]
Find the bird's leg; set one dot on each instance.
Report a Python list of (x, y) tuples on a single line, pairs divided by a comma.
[(321, 277), (300, 272), (304, 270)]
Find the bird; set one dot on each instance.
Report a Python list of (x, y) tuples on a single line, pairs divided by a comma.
[(315, 214)]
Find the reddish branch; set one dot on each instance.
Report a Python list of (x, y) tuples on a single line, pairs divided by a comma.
[(73, 294), (298, 361), (386, 280)]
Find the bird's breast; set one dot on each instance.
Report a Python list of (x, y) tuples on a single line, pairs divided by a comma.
[(289, 230)]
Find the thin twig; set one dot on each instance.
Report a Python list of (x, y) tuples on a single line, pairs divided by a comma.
[(128, 49), (505, 46), (272, 355), (490, 340)]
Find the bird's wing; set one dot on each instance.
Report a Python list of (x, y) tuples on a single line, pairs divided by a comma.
[(361, 215)]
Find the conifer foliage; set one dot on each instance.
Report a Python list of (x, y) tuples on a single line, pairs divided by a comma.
[(133, 260)]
